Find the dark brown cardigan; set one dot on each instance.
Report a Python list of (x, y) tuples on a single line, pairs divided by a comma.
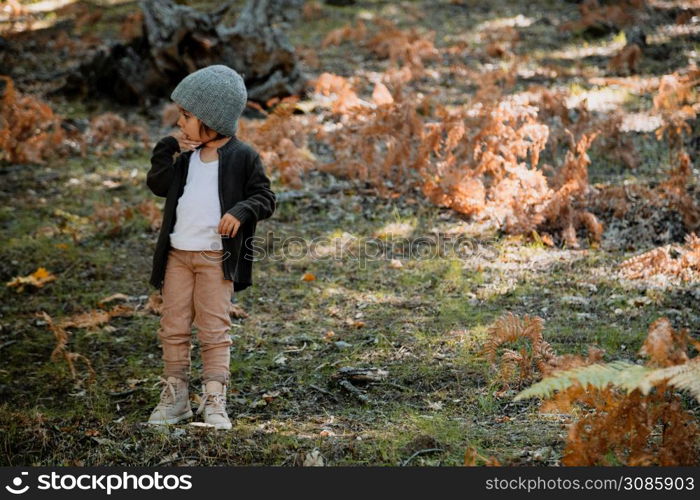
[(244, 192)]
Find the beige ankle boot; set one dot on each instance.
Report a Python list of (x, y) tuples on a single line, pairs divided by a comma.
[(213, 405), (174, 403)]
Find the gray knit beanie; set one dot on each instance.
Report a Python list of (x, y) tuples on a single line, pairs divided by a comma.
[(216, 95)]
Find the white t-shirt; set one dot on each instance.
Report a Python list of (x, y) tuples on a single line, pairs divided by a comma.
[(198, 210)]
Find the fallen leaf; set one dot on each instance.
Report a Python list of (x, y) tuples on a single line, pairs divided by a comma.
[(270, 396), (47, 231), (37, 279), (437, 405), (237, 311), (155, 303), (258, 403), (116, 296), (308, 277), (103, 441), (362, 374), (133, 382), (470, 456), (110, 184), (354, 323), (151, 212), (307, 106), (314, 459), (381, 95)]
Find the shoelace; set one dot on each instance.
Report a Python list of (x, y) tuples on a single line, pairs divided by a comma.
[(218, 402), (167, 395)]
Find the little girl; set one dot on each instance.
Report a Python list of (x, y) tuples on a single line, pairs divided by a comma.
[(216, 191)]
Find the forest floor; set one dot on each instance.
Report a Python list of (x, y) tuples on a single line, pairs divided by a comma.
[(424, 323)]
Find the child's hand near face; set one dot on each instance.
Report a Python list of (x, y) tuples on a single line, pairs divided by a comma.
[(229, 225), (185, 143)]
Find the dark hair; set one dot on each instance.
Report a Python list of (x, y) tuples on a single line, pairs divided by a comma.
[(205, 130)]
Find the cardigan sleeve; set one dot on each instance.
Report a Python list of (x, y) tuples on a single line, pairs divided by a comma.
[(259, 200), (160, 176)]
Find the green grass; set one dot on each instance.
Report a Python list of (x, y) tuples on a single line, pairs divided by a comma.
[(424, 323)]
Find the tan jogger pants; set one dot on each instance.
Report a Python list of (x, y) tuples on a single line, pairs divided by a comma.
[(195, 292)]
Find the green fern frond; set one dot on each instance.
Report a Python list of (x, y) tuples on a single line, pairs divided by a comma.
[(618, 373), (685, 377)]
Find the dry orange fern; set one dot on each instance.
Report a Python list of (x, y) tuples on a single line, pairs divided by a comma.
[(282, 139), (629, 412), (676, 102), (522, 365), (673, 261), (29, 130)]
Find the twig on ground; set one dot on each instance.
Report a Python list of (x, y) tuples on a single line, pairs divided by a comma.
[(395, 385), (177, 459), (345, 384), (419, 452), (122, 393), (327, 393), (5, 344)]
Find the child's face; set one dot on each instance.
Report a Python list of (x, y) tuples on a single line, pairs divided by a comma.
[(190, 125)]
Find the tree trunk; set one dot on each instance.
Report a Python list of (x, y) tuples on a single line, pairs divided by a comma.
[(262, 50), (177, 40)]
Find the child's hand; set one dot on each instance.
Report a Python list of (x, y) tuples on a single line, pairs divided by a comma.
[(229, 225), (185, 143)]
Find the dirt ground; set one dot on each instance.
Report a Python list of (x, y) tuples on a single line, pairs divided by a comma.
[(423, 323)]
